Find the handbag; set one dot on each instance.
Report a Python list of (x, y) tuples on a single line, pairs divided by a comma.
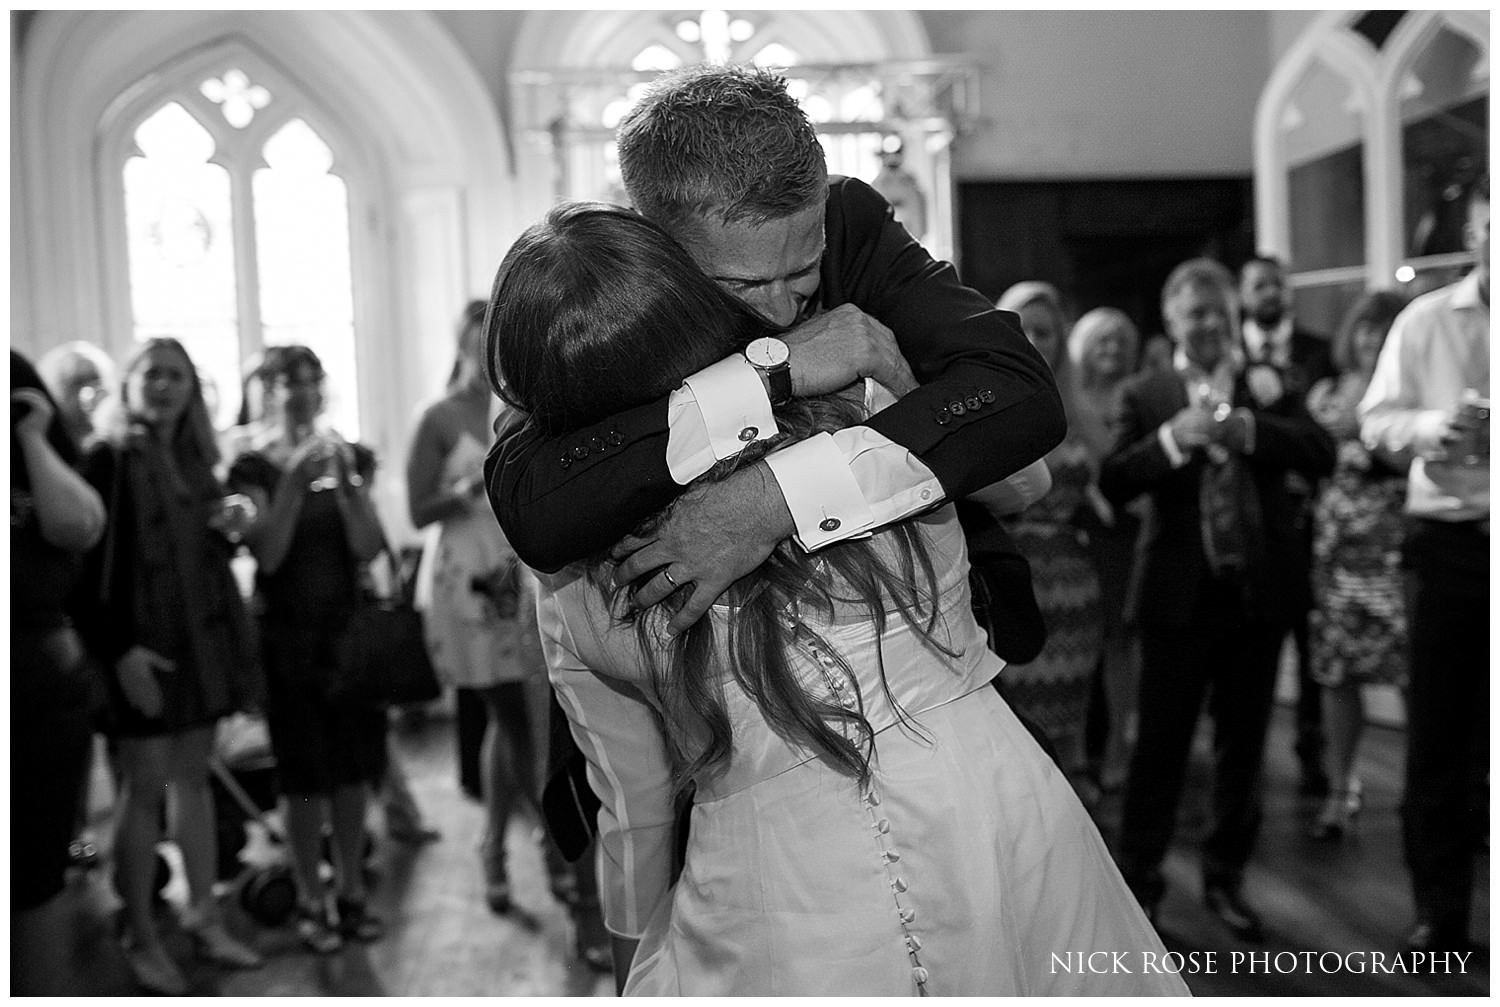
[(381, 658)]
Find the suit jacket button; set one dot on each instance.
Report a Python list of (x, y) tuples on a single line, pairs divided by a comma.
[(748, 434), (986, 396), (973, 402), (830, 524), (956, 408), (615, 437), (597, 443), (943, 417), (565, 461), (580, 452)]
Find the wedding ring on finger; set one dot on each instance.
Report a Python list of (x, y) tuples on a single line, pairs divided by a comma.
[(670, 579)]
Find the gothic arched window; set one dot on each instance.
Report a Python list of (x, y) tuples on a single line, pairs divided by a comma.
[(236, 221)]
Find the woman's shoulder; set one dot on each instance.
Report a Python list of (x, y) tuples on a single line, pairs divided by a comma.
[(440, 422)]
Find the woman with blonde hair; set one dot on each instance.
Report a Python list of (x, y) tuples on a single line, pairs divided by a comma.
[(1104, 349), (165, 614), (1052, 690)]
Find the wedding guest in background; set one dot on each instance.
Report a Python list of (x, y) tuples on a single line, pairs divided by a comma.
[(1052, 690), (1104, 349), (1359, 609), (55, 517), (1211, 442), (1430, 396), (257, 423), (478, 601), (164, 615), (315, 527), (79, 375), (1270, 336)]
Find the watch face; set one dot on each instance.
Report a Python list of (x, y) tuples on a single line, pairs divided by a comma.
[(767, 352)]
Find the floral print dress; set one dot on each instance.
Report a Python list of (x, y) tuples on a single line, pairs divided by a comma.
[(1358, 623)]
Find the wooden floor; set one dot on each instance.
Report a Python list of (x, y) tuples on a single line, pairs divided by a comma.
[(444, 942)]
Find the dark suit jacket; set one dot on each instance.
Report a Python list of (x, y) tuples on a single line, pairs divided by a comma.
[(1173, 565), (986, 408), (1311, 360)]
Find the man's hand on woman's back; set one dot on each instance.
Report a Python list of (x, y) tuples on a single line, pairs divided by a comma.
[(715, 534)]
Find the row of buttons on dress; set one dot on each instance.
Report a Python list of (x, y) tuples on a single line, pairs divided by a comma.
[(960, 407), (594, 445), (905, 914), (843, 692)]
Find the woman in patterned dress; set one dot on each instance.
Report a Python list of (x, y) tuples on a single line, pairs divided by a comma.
[(477, 598), (1053, 689), (1358, 620)]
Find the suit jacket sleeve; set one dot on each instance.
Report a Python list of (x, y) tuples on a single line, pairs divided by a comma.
[(988, 405), (1287, 437), (1138, 462)]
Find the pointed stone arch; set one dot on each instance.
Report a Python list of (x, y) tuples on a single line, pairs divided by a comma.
[(441, 204)]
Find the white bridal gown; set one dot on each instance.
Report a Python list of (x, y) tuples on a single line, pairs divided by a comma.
[(966, 867)]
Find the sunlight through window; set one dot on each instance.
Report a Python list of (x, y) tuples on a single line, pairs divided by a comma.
[(180, 238), (233, 249), (302, 243)]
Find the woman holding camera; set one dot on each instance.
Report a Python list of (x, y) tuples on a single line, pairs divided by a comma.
[(315, 529)]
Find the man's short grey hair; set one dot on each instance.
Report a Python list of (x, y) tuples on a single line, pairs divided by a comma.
[(723, 142), (1200, 272)]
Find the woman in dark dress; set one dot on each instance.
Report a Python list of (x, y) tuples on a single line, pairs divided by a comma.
[(314, 529), (164, 614), (54, 518)]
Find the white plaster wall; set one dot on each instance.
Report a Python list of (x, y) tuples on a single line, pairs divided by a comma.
[(1109, 93), (1064, 93)]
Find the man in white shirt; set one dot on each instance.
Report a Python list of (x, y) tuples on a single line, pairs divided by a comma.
[(1430, 396)]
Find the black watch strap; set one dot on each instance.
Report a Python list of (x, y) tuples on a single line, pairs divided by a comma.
[(780, 381)]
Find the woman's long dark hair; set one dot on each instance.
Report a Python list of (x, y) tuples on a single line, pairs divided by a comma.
[(597, 310)]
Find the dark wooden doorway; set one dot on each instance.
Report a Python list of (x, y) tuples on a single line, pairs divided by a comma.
[(1101, 242)]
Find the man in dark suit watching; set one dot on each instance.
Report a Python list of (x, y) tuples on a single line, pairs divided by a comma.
[(1272, 337), (1212, 443)]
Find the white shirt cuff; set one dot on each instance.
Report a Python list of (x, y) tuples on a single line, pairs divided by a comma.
[(713, 415), (1169, 445), (820, 491)]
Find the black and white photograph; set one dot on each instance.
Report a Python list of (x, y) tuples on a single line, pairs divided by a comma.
[(707, 503)]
